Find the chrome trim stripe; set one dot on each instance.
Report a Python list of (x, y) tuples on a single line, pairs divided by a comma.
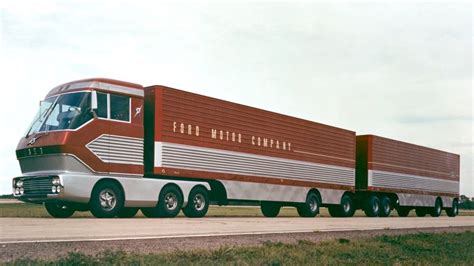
[(99, 85), (411, 182), (221, 161), (117, 149)]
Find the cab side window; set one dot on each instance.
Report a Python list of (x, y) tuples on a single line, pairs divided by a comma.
[(119, 107), (113, 107), (102, 105)]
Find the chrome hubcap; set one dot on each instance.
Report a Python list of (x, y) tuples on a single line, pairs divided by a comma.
[(313, 204), (199, 202), (108, 199), (171, 201), (376, 207), (346, 206)]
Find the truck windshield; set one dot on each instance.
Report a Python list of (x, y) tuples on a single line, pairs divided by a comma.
[(67, 111)]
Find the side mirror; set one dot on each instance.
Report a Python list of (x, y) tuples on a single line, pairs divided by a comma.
[(94, 100)]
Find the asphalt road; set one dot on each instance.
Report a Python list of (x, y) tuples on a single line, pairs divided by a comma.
[(29, 230)]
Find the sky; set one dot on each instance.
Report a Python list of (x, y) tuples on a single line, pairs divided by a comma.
[(400, 70)]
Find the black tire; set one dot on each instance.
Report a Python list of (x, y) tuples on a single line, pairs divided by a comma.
[(151, 212), (420, 212), (334, 210), (347, 207), (454, 210), (58, 210), (385, 207), (127, 212), (270, 209), (198, 203), (403, 211), (107, 200), (311, 207), (372, 206), (438, 208)]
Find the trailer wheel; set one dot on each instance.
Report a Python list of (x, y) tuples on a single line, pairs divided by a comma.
[(372, 207), (454, 210), (198, 203), (347, 208), (420, 212), (270, 209), (58, 210), (403, 211), (127, 212), (436, 211), (107, 200), (311, 207), (385, 207)]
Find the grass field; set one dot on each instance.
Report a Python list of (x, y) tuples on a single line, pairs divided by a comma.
[(34, 210), (415, 249)]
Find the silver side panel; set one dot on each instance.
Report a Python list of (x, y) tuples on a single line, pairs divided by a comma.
[(423, 200), (222, 161), (52, 163), (139, 191), (411, 182), (117, 149), (268, 192)]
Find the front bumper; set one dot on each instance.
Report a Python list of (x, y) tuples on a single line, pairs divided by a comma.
[(38, 189)]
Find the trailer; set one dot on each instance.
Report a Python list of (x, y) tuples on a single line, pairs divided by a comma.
[(391, 174), (114, 148)]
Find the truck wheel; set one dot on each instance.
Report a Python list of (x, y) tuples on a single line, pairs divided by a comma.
[(385, 207), (454, 210), (169, 202), (107, 200), (127, 212), (436, 211), (58, 210), (403, 211), (372, 207), (420, 212), (270, 209), (347, 208), (334, 210), (198, 203), (311, 207)]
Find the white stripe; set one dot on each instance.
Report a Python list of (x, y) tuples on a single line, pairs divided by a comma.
[(188, 157), (411, 182), (117, 149)]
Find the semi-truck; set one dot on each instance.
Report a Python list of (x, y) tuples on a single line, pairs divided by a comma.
[(114, 148)]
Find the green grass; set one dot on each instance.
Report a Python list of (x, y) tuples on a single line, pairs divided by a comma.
[(415, 249), (38, 211)]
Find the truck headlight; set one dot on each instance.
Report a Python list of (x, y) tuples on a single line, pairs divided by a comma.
[(56, 181), (22, 191), (19, 183), (53, 189), (17, 191)]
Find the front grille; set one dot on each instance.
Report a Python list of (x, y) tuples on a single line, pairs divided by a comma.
[(38, 185)]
